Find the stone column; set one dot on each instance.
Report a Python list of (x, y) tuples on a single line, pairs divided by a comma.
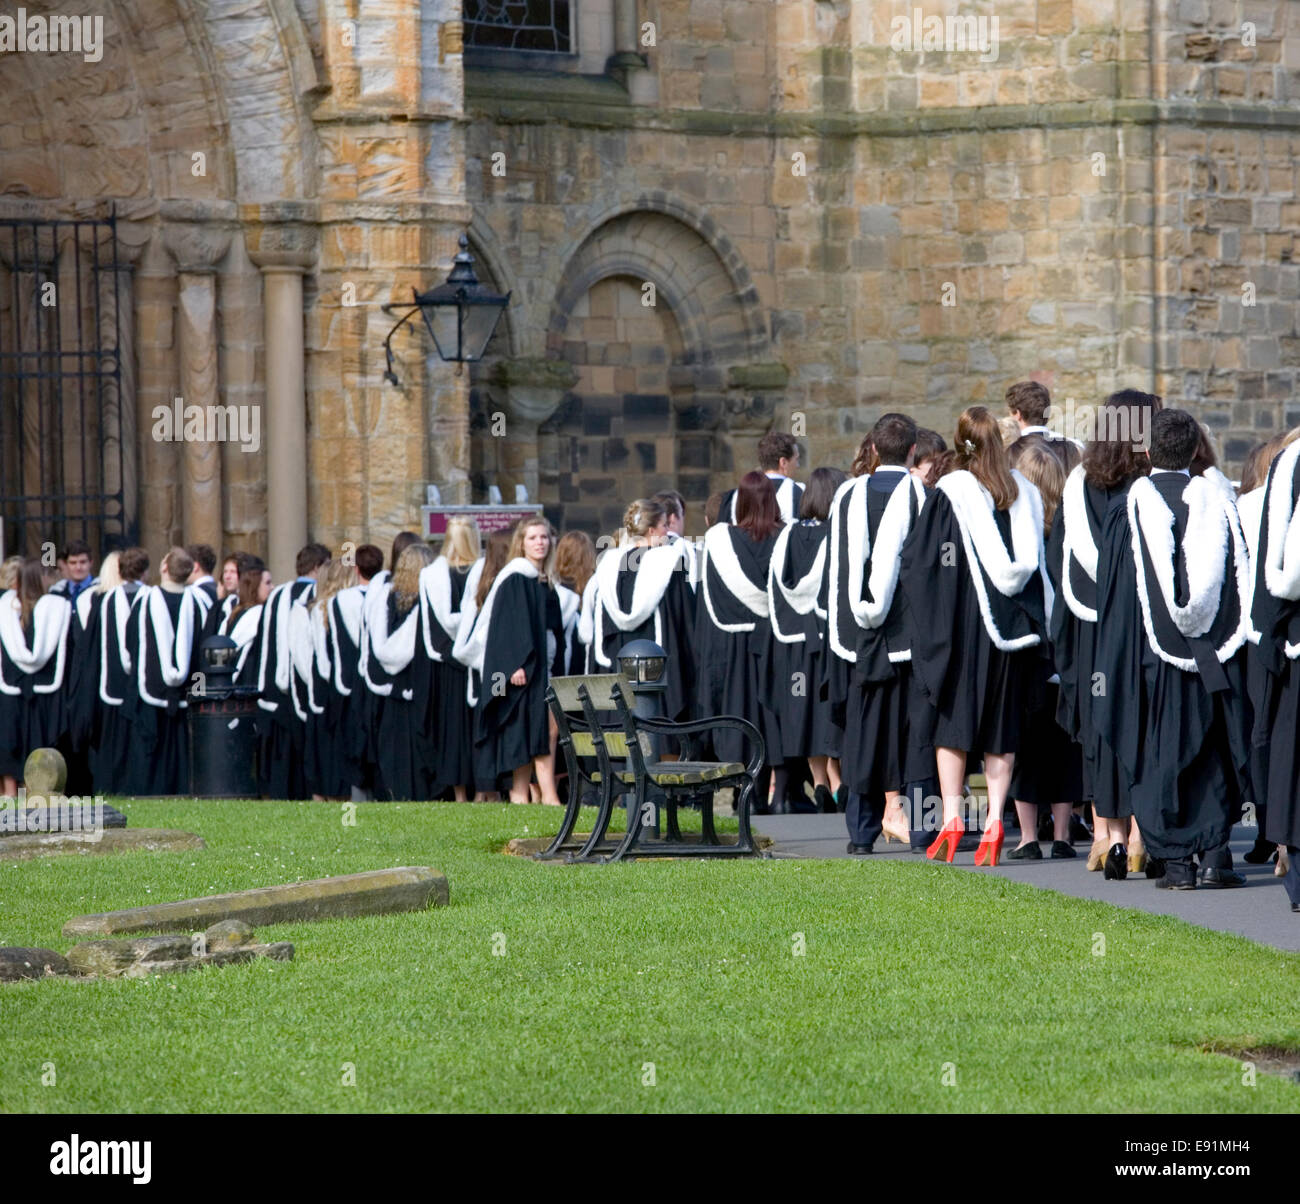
[(284, 252), (198, 247)]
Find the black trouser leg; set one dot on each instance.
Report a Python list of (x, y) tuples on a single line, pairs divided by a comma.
[(1217, 858), (1292, 879), (864, 817)]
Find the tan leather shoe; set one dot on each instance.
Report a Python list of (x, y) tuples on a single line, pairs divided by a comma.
[(1097, 855)]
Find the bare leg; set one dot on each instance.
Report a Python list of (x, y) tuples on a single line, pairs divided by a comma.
[(545, 768), (1061, 813), (521, 779), (820, 777), (895, 820), (1027, 814), (833, 772), (460, 794), (997, 772), (951, 764), (10, 787)]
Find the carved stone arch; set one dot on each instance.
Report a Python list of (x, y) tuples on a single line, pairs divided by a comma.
[(648, 205), (494, 268)]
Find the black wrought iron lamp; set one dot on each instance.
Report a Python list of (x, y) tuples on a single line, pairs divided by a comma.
[(460, 314)]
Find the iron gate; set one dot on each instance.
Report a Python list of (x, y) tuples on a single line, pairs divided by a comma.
[(66, 428)]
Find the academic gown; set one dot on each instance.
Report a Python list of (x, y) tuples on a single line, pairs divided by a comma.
[(1074, 652), (510, 722), (888, 720), (797, 597), (406, 760), (670, 622), (978, 689), (282, 708), (578, 652), (33, 672), (1277, 619), (733, 640), (449, 721), (82, 689), (344, 696), (1179, 736), (160, 762), (116, 695)]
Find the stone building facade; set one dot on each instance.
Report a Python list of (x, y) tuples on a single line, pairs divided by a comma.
[(713, 216)]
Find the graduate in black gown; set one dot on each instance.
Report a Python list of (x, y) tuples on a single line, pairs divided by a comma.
[(797, 589), (976, 585), (1276, 617), (398, 644), (1172, 583), (887, 720), (733, 630), (111, 672), (282, 695), (169, 621), (83, 676), (778, 457), (1112, 460), (575, 565), (332, 630), (34, 628), (446, 592), (1049, 771), (244, 618), (643, 592), (512, 648)]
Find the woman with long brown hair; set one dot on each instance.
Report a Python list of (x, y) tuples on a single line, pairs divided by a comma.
[(976, 583), (1113, 459), (1051, 775), (575, 568), (733, 630), (34, 626), (513, 648)]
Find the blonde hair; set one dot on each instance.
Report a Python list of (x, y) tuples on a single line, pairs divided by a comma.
[(461, 546), (1043, 467), (520, 533), (406, 577), (1009, 429), (110, 576), (9, 572), (338, 575), (980, 452), (641, 515)]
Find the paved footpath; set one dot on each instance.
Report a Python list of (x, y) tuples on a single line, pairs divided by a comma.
[(1259, 910)]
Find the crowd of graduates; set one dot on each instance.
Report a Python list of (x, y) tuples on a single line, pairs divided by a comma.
[(1105, 627)]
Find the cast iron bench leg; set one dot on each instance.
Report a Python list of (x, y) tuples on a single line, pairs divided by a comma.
[(598, 828), (745, 840), (555, 849), (706, 819), (634, 813)]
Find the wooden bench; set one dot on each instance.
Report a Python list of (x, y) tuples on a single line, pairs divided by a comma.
[(644, 780)]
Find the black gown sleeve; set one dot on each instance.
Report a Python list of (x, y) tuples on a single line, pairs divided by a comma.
[(1119, 707), (931, 577)]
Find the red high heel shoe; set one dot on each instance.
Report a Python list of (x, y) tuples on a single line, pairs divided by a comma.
[(951, 833), (990, 845)]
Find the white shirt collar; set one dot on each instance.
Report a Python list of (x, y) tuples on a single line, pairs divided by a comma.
[(1187, 472)]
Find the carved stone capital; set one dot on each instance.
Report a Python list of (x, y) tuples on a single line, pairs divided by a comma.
[(197, 233)]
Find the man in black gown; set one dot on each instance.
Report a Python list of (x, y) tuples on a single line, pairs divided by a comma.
[(1172, 578)]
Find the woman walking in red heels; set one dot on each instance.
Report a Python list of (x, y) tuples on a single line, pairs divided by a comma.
[(976, 583)]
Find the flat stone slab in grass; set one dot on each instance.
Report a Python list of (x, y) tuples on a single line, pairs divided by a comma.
[(141, 956), (16, 963), (526, 846), (60, 815), (27, 845), (377, 892)]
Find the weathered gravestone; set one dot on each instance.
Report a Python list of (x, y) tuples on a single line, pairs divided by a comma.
[(46, 772), (376, 892), (16, 963)]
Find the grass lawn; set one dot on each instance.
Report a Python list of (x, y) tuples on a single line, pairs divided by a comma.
[(910, 974)]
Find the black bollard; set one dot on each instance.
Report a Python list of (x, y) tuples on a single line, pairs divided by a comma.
[(223, 738)]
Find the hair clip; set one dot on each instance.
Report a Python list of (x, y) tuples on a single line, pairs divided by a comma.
[(970, 447)]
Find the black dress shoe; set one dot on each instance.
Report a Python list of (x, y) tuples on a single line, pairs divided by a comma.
[(1026, 852), (969, 843), (1116, 867), (859, 850), (1061, 849), (1261, 853), (1155, 867), (825, 800), (1168, 883), (842, 798), (1221, 879), (1079, 830), (778, 806)]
